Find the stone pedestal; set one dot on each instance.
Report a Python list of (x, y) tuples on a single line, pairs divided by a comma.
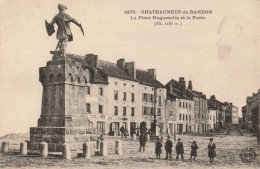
[(66, 151), (86, 150), (57, 136), (118, 147), (63, 116), (5, 147), (23, 148)]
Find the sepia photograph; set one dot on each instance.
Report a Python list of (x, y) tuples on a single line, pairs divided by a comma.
[(129, 84)]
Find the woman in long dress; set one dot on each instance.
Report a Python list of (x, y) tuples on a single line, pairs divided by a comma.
[(194, 148), (212, 152)]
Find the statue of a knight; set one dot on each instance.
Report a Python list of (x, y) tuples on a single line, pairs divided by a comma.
[(64, 33)]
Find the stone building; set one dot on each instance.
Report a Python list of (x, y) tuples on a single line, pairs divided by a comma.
[(180, 107), (244, 118), (252, 112), (231, 114), (128, 95), (218, 107)]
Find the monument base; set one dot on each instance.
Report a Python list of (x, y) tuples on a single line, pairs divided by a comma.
[(57, 136)]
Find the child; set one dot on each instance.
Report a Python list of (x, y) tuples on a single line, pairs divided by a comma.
[(194, 149), (158, 148)]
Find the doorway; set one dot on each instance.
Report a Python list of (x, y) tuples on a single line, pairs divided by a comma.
[(100, 127)]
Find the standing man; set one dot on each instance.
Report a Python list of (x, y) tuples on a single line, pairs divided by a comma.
[(179, 149), (122, 130), (168, 148), (142, 140), (64, 33)]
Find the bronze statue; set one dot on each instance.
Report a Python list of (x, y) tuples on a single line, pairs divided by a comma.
[(64, 33)]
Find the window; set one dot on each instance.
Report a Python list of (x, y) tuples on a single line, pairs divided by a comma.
[(160, 100), (151, 98), (180, 117), (144, 110), (190, 117), (195, 127), (115, 83), (124, 84), (132, 97), (133, 85), (159, 112), (195, 115), (144, 97), (186, 105), (132, 111), (116, 95), (88, 108), (100, 109), (87, 89), (124, 111), (179, 104), (115, 110), (124, 96), (152, 110), (214, 118), (183, 117), (100, 91), (190, 105), (186, 117), (171, 113), (183, 105)]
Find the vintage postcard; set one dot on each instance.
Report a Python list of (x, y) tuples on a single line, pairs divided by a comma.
[(129, 84)]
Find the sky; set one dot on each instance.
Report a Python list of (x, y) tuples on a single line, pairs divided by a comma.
[(219, 54)]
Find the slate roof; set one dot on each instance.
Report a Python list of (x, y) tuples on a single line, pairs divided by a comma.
[(104, 69), (111, 69), (145, 78)]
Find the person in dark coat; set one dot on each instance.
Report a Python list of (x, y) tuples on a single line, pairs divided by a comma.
[(158, 148), (212, 152), (194, 148), (168, 148), (179, 149), (123, 132), (142, 140)]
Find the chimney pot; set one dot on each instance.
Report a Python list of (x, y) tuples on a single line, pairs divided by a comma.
[(130, 68), (121, 63), (190, 85), (152, 72)]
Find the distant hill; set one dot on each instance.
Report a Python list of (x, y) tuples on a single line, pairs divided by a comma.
[(15, 136)]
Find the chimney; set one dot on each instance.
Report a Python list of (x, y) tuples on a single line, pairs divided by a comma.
[(170, 88), (152, 72), (182, 83), (213, 97), (190, 85), (92, 60), (121, 63), (130, 68)]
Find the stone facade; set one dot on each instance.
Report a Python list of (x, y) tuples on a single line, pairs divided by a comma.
[(252, 112)]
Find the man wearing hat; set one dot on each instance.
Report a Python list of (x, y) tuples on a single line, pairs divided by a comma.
[(179, 149), (168, 148), (64, 33)]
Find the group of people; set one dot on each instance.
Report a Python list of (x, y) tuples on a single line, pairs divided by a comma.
[(179, 148)]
